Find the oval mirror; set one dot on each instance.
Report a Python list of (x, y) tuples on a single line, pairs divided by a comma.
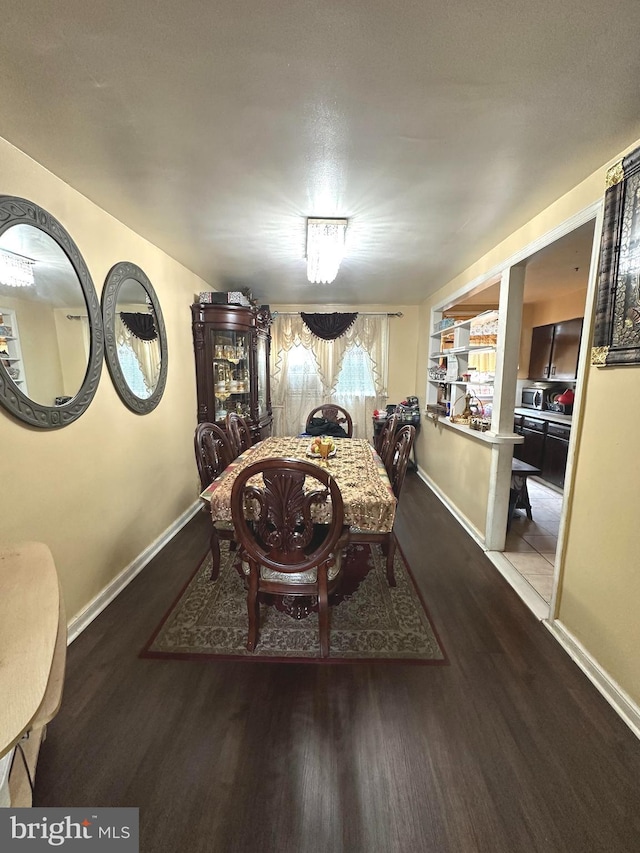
[(50, 323), (135, 337)]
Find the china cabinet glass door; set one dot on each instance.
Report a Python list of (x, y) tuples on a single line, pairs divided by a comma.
[(262, 376), (230, 373)]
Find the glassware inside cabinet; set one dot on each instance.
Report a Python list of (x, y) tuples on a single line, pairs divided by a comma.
[(262, 377), (230, 373)]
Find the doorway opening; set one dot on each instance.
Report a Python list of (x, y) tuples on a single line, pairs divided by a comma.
[(555, 294)]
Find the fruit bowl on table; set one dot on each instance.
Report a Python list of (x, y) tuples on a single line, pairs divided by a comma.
[(314, 452)]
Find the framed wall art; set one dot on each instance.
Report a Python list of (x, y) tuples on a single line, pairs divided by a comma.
[(616, 339)]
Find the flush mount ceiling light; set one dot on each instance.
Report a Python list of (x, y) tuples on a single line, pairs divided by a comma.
[(325, 249), (16, 270)]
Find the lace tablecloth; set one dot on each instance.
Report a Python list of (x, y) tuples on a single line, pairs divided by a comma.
[(369, 502)]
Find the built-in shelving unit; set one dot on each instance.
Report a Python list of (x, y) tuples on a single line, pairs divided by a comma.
[(10, 351), (462, 361)]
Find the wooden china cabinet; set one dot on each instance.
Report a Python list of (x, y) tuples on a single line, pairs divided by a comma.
[(232, 345)]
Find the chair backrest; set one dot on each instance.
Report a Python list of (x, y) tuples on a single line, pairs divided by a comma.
[(281, 533), (399, 457), (334, 413), (213, 452), (238, 432), (386, 439)]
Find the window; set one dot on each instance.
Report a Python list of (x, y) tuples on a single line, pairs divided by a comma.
[(132, 371), (302, 373), (356, 374)]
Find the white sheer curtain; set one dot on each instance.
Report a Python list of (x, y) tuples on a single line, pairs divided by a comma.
[(146, 352), (309, 371)]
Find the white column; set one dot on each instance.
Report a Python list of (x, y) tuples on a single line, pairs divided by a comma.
[(507, 353)]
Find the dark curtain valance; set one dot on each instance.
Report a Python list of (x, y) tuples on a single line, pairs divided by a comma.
[(328, 326), (140, 325)]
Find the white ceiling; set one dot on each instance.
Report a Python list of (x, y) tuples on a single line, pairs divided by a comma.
[(214, 127)]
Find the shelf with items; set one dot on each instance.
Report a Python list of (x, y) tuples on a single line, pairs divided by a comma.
[(463, 368), (10, 351), (477, 321)]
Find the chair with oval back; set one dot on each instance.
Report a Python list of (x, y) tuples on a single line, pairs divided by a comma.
[(238, 432), (213, 454), (396, 469), (286, 549), (385, 440), (334, 413)]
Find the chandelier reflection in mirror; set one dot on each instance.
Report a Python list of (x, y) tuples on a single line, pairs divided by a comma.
[(16, 270), (325, 249)]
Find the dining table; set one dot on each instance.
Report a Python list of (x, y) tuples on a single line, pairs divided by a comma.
[(369, 501)]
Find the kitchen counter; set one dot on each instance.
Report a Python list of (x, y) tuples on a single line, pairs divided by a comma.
[(553, 417)]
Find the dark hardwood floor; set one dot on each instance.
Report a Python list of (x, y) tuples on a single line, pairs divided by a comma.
[(508, 748)]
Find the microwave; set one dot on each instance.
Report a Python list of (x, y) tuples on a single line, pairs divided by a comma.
[(537, 398)]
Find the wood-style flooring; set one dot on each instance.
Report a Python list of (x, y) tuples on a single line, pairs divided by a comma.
[(509, 748)]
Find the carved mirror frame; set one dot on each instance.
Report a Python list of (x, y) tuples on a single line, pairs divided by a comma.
[(119, 273), (20, 211)]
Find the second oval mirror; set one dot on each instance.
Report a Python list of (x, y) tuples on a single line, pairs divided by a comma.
[(135, 337)]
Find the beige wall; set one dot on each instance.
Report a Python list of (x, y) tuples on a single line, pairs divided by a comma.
[(600, 584), (102, 489), (36, 329), (73, 349), (38, 334), (459, 467), (403, 338)]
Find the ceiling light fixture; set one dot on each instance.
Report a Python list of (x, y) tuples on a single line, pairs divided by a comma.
[(16, 270), (325, 249)]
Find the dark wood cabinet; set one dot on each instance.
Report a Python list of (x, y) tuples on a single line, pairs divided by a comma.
[(540, 358), (556, 448), (517, 428), (546, 446), (232, 346), (554, 350), (532, 451)]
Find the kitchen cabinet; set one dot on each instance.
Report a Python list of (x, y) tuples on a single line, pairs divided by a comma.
[(556, 448), (533, 432), (232, 346), (546, 446), (517, 428), (554, 350)]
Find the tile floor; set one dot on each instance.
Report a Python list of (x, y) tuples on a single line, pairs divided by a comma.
[(531, 545)]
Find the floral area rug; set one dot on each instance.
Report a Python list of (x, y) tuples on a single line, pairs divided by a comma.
[(369, 621)]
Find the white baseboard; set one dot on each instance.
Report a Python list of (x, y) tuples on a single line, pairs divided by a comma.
[(620, 701), (536, 604), (471, 529), (79, 623)]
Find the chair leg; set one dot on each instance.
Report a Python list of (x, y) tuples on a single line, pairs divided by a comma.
[(323, 611), (253, 609), (214, 544), (391, 552)]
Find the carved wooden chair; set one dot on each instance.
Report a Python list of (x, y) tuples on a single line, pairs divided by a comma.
[(213, 454), (238, 432), (397, 468), (335, 413), (385, 441), (399, 458), (284, 551)]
